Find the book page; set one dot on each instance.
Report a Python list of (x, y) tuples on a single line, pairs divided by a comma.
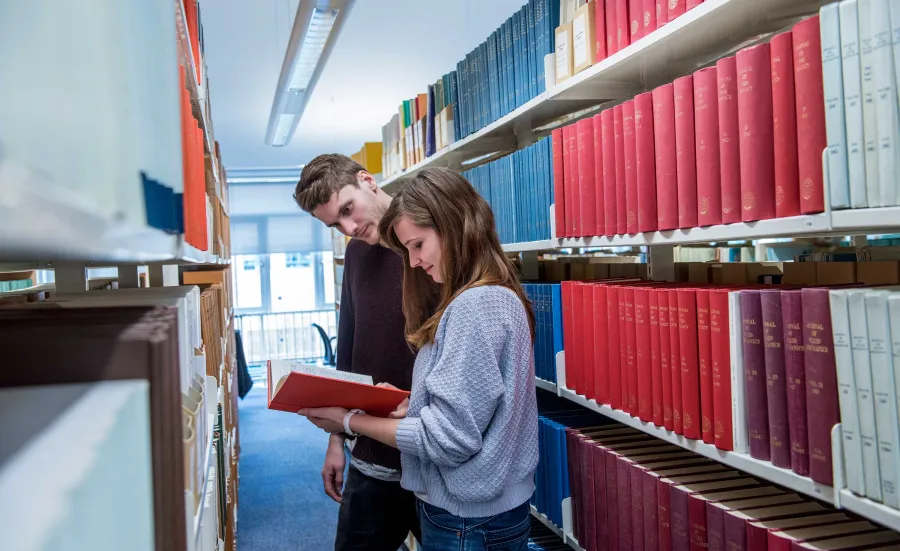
[(331, 373)]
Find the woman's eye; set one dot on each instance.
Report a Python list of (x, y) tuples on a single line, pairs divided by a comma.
[(418, 246)]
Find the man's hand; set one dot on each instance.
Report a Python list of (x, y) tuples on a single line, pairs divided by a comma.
[(333, 470), (330, 419)]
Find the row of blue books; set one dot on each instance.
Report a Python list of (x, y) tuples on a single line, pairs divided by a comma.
[(540, 538), (546, 299), (519, 189), (507, 70)]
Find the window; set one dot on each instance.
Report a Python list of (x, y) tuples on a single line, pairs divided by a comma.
[(283, 282), (248, 294)]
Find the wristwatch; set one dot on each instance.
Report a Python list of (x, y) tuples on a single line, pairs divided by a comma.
[(347, 417)]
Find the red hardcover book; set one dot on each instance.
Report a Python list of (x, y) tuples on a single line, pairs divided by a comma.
[(600, 53), (720, 347), (691, 4), (675, 362), (766, 496), (795, 372), (623, 348), (730, 500), (755, 375), (588, 352), (645, 158), (810, 113), (587, 521), (679, 503), (635, 16), (601, 511), (610, 204), (776, 389), (737, 522), (784, 121), (638, 502), (569, 197), (631, 351), (729, 140), (631, 199), (599, 184), (642, 352), (649, 21), (690, 368), (612, 41), (665, 358), (575, 375), (626, 506), (685, 153), (757, 140), (577, 223), (559, 186), (600, 346), (584, 131), (655, 366), (621, 205), (623, 35), (567, 290), (704, 354), (573, 438), (822, 410), (615, 339), (706, 119), (666, 163), (676, 8)]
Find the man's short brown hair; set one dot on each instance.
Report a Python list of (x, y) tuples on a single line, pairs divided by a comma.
[(323, 177)]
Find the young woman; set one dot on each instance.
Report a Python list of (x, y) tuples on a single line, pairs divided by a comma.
[(468, 434)]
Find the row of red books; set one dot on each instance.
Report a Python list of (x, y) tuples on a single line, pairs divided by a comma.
[(691, 359), (631, 492), (620, 23), (738, 142), (194, 174)]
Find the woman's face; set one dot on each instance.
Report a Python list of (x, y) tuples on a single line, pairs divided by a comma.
[(424, 246)]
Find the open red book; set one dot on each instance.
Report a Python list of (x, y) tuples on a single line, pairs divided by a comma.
[(294, 386)]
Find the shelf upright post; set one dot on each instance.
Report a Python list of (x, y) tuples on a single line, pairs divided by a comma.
[(129, 277), (661, 260), (529, 262), (70, 277), (163, 275)]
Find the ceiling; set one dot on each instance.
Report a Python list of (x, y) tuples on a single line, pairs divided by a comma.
[(388, 50)]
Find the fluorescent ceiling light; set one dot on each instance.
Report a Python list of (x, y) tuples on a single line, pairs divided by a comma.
[(317, 25)]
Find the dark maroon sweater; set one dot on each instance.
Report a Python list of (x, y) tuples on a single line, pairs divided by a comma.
[(371, 336)]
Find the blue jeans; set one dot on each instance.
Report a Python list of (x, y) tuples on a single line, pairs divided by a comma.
[(443, 531)]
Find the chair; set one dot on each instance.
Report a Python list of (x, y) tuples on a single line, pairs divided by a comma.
[(326, 343)]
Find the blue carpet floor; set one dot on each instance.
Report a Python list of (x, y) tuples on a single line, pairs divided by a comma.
[(282, 504)]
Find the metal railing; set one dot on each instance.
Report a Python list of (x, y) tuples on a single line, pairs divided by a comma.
[(285, 335)]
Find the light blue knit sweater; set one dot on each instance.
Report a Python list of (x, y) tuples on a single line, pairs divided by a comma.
[(469, 442)]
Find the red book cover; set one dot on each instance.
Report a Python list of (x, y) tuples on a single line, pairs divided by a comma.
[(676, 8), (675, 362), (569, 194), (645, 158), (586, 517), (599, 184), (575, 376), (637, 508), (691, 4), (626, 510), (649, 21), (621, 205), (584, 131), (612, 501), (690, 368), (573, 453), (615, 339), (685, 153), (729, 140), (655, 366), (784, 122), (738, 524), (623, 349), (588, 351), (612, 41), (688, 536), (777, 534), (631, 352), (795, 372), (559, 193), (704, 354), (810, 106), (601, 511), (664, 514), (601, 346), (755, 375), (642, 352), (822, 410), (600, 39), (757, 139), (635, 16), (631, 199), (776, 389), (610, 204), (567, 290), (665, 357), (720, 347), (706, 119), (666, 163), (573, 176), (623, 35)]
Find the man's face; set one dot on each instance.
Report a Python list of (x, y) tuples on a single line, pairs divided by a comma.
[(354, 211)]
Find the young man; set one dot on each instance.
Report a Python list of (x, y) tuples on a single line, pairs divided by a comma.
[(376, 514)]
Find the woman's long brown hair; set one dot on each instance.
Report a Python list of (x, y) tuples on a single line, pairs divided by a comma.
[(441, 199)]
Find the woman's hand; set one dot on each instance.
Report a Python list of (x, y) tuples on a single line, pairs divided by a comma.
[(329, 419), (401, 410)]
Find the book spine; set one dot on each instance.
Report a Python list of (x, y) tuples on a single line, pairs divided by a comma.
[(787, 183), (587, 517), (569, 193), (649, 19), (885, 103), (869, 92), (610, 204), (690, 370), (623, 348), (626, 499), (706, 115), (756, 138), (601, 346), (811, 138), (655, 365), (559, 194), (642, 353), (638, 541), (568, 319), (821, 385), (835, 118), (704, 353), (621, 208), (666, 157), (755, 375), (735, 533), (635, 16), (720, 368), (586, 185), (588, 351), (664, 513), (631, 190), (576, 373), (865, 396), (681, 532), (615, 338), (893, 306), (884, 385), (647, 489), (623, 36), (776, 389), (685, 154), (675, 362), (631, 351), (740, 442), (612, 41), (795, 371), (646, 162), (599, 178), (853, 109), (612, 499), (729, 140), (665, 358), (601, 509), (676, 9), (600, 51)]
